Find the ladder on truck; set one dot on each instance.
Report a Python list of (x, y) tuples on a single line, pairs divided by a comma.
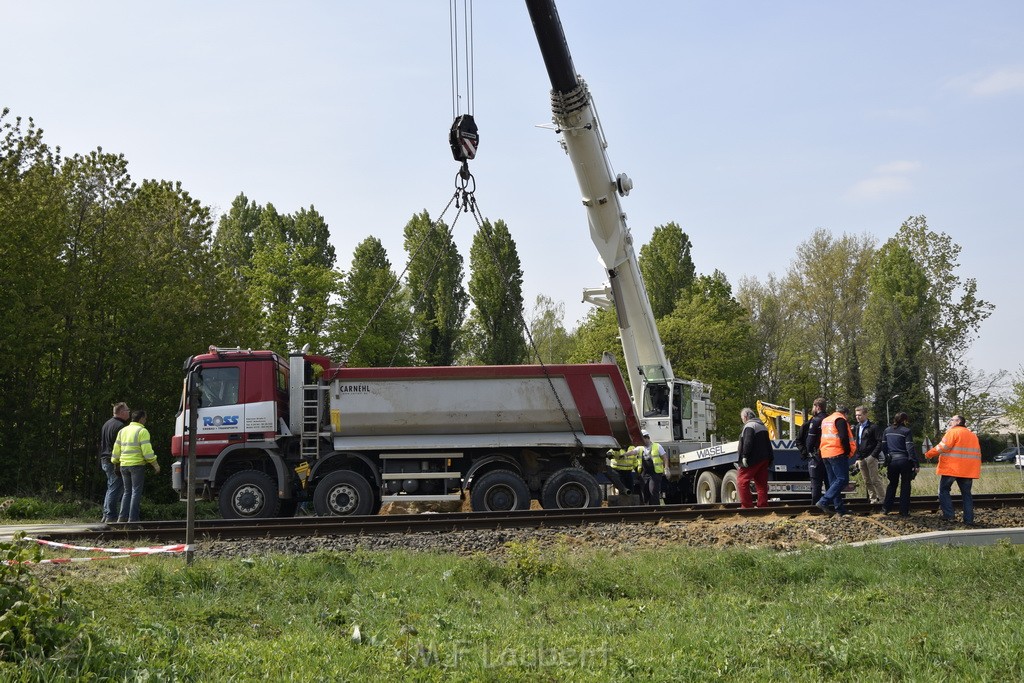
[(312, 413)]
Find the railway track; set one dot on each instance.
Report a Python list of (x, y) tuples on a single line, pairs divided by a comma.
[(224, 529)]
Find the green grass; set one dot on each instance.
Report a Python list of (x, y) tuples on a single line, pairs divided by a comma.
[(61, 509), (894, 613)]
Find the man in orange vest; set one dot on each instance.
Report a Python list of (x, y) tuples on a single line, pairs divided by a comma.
[(959, 460), (837, 445)]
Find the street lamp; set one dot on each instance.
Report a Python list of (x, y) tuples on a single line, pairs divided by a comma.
[(891, 398)]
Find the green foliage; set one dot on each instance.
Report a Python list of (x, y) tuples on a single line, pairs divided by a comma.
[(108, 285), (547, 329), (1014, 404), (954, 310), (829, 278), (374, 312), (291, 278), (782, 371), (667, 267), (596, 334), (439, 299), (42, 637), (496, 290), (709, 337)]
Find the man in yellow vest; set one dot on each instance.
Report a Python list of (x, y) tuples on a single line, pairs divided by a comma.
[(653, 462), (837, 445), (132, 452), (959, 455), (623, 464)]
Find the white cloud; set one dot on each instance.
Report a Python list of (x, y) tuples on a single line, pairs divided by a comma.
[(1005, 79), (885, 180)]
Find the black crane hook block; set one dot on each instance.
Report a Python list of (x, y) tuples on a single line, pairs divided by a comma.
[(463, 138)]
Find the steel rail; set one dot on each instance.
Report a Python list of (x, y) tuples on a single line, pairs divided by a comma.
[(220, 529)]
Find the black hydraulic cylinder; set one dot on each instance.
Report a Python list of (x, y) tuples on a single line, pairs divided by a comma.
[(553, 46)]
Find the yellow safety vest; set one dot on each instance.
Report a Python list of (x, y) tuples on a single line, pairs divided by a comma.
[(621, 461), (659, 464), (132, 446)]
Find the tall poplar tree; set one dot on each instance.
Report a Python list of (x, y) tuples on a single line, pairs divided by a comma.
[(496, 289), (956, 310), (371, 327), (439, 299), (667, 267)]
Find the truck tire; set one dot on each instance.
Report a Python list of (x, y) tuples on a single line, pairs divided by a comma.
[(709, 485), (731, 487), (499, 491), (249, 494), (570, 488), (341, 493)]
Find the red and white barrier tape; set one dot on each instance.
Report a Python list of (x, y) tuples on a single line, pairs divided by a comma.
[(146, 550), (115, 553)]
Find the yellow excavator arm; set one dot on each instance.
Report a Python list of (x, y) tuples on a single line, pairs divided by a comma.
[(774, 416)]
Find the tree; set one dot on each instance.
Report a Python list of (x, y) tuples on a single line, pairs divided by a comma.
[(371, 327), (435, 281), (781, 369), (830, 276), (496, 290), (709, 337), (597, 334), (1014, 403), (233, 243), (852, 384), (550, 339), (127, 287), (955, 310), (667, 267), (292, 278)]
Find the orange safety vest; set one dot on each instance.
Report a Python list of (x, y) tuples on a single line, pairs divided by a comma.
[(959, 454), (831, 446)]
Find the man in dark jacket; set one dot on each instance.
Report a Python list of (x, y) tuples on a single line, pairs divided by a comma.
[(808, 444), (869, 445), (108, 435), (756, 456)]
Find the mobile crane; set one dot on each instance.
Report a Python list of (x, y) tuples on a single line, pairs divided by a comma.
[(678, 413)]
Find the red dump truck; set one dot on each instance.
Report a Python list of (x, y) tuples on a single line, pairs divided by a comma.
[(271, 432)]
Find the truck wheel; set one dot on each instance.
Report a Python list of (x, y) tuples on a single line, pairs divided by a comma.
[(499, 491), (249, 494), (570, 488), (731, 487), (343, 492), (709, 485)]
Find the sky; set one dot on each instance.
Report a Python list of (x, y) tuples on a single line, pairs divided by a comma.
[(749, 124)]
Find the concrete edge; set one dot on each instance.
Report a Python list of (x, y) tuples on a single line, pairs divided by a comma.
[(1013, 535)]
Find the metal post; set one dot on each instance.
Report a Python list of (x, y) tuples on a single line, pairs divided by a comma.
[(888, 420), (195, 380), (792, 419)]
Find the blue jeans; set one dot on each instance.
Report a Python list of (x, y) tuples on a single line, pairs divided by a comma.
[(112, 499), (946, 500), (838, 469), (133, 476)]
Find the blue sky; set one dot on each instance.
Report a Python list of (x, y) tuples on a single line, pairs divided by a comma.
[(750, 124)]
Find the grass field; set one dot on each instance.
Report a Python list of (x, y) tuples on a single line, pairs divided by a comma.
[(894, 613)]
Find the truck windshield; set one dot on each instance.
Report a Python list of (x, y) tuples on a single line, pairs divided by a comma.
[(219, 388)]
